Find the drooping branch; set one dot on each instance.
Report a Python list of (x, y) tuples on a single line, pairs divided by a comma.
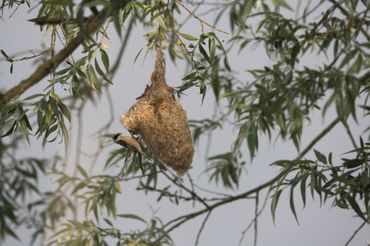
[(92, 24), (355, 233), (318, 137), (173, 224)]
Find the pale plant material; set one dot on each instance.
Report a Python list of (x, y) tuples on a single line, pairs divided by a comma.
[(162, 122)]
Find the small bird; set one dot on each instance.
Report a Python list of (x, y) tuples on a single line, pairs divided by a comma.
[(129, 143)]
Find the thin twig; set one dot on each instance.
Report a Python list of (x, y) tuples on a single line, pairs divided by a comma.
[(103, 130), (122, 49), (34, 55), (79, 137), (192, 193), (355, 233), (190, 15), (202, 22), (211, 191), (182, 219), (202, 228), (318, 138), (209, 135), (256, 219), (344, 123)]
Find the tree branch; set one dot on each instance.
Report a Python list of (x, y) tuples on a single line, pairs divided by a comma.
[(318, 137), (354, 233), (92, 24), (202, 227), (184, 218), (256, 219)]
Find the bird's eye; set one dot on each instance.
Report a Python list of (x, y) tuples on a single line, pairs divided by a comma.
[(116, 136)]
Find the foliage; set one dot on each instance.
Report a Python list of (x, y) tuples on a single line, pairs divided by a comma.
[(275, 100)]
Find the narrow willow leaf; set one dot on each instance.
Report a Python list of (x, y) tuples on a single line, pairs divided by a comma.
[(78, 187), (246, 9), (82, 171), (105, 59), (11, 130), (65, 135), (4, 54), (282, 3), (108, 222), (320, 157), (101, 73), (65, 111), (313, 183), (274, 203), (291, 203), (204, 53), (352, 163), (92, 78), (188, 37), (303, 188), (355, 207), (131, 216), (212, 47)]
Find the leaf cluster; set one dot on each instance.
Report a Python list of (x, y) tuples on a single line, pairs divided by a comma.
[(346, 184)]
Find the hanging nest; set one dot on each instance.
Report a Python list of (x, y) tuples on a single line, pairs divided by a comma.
[(161, 121)]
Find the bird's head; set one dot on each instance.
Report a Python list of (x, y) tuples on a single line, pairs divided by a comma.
[(116, 136)]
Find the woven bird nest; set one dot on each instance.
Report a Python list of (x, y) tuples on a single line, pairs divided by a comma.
[(161, 121)]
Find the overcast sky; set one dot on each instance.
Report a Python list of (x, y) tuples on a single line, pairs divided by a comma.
[(318, 225)]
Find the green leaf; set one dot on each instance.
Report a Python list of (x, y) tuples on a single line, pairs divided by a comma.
[(92, 78), (274, 203), (101, 73), (204, 53), (355, 207), (131, 216), (10, 232), (79, 186), (291, 203), (320, 157), (303, 188), (162, 23), (65, 135), (313, 177), (188, 37), (282, 3), (246, 9), (4, 54), (11, 130), (26, 122), (352, 163), (349, 56), (117, 24), (105, 59), (65, 111), (82, 171), (212, 47), (252, 139), (190, 76), (108, 222), (33, 97)]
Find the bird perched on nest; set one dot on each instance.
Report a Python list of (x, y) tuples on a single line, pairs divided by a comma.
[(161, 121)]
